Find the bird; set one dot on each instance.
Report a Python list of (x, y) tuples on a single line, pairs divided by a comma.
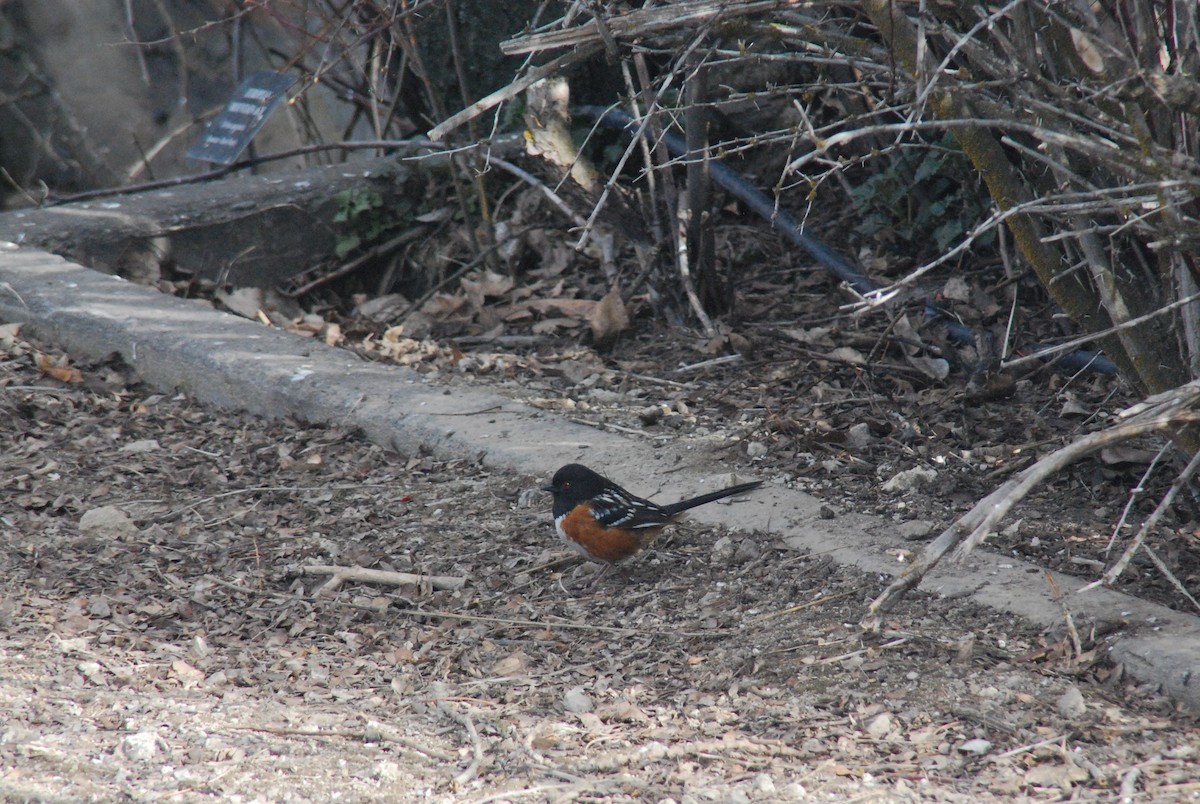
[(606, 523)]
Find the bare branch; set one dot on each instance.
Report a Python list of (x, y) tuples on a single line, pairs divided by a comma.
[(340, 575), (1166, 413)]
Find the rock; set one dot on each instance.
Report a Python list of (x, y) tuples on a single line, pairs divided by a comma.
[(978, 746), (383, 309), (577, 701), (764, 785), (605, 396), (387, 772), (418, 326), (756, 449), (722, 551), (910, 479), (793, 791), (747, 550), (915, 529), (879, 726), (859, 435), (576, 371), (142, 445), (107, 522), (140, 747), (1071, 705), (674, 421), (99, 608), (650, 415)]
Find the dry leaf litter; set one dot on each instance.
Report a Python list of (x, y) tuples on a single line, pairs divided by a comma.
[(161, 637)]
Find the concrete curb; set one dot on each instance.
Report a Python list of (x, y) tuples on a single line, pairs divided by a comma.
[(229, 362)]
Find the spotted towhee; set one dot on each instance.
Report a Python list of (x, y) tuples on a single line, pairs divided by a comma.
[(605, 522)]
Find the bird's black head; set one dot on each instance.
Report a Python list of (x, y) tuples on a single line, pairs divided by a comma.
[(573, 484)]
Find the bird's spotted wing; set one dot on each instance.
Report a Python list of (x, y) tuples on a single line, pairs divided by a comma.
[(617, 508)]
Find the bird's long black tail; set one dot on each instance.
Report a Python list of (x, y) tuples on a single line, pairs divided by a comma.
[(683, 505)]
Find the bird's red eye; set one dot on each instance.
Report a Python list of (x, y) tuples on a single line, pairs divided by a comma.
[(566, 485)]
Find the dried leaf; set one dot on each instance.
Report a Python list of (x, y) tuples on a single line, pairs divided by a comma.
[(58, 369), (1122, 454), (956, 289), (1073, 407), (812, 337), (511, 665), (572, 308), (246, 302), (438, 215), (489, 285), (849, 355), (1089, 54), (188, 675), (609, 318), (8, 334), (933, 367), (444, 304), (548, 326), (556, 256)]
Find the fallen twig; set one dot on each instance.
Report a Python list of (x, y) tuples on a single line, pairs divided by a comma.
[(566, 791), (685, 271), (509, 92), (353, 265), (1163, 411), (339, 575), (464, 720), (1129, 782), (1114, 572), (707, 364), (608, 629), (375, 732), (1170, 576), (634, 24), (1134, 494), (609, 426), (533, 181), (801, 607), (983, 718), (1040, 355), (1030, 747), (6, 287), (1076, 642), (895, 643), (455, 275)]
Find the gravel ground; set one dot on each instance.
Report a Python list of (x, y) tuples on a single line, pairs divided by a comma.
[(165, 635)]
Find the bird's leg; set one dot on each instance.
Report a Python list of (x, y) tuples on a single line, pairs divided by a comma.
[(599, 575)]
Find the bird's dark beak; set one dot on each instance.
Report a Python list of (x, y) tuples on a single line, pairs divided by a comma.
[(548, 487)]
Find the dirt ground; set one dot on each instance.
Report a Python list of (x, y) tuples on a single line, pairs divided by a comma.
[(164, 637)]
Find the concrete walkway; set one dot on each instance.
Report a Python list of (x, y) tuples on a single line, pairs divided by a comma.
[(230, 362)]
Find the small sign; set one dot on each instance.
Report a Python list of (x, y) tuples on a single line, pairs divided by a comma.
[(231, 131)]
